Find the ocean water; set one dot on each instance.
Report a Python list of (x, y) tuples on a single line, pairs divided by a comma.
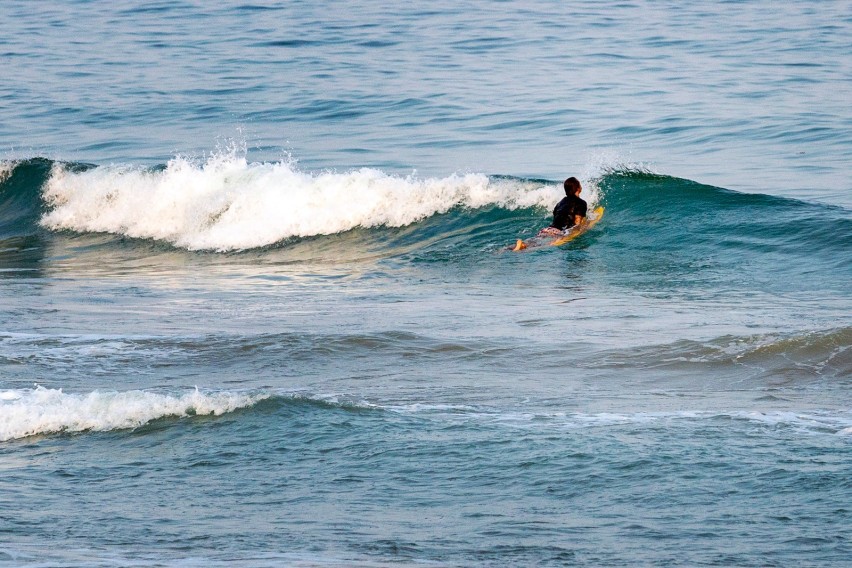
[(257, 306)]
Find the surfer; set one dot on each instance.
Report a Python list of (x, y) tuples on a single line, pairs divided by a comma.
[(569, 212)]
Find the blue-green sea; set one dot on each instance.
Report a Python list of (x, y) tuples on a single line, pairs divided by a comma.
[(258, 307)]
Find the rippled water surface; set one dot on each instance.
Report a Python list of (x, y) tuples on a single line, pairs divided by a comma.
[(257, 303), (750, 95)]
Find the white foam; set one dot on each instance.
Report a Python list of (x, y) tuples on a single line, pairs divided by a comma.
[(424, 407), (227, 203), (6, 169), (28, 412), (837, 423)]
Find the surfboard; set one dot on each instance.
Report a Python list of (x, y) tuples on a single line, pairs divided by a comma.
[(575, 232), (572, 234)]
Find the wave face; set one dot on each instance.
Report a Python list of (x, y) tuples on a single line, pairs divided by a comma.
[(665, 233), (677, 212), (20, 196)]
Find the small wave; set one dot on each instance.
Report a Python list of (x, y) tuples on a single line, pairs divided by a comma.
[(227, 203), (30, 412), (818, 351), (837, 422), (808, 355), (822, 421), (42, 411), (814, 422), (80, 351)]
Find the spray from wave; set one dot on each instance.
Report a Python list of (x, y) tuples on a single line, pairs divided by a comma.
[(29, 412), (227, 203), (6, 169)]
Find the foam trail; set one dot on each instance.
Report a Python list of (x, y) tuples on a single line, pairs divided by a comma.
[(816, 421), (230, 204), (29, 412)]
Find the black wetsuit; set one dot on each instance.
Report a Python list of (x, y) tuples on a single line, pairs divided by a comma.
[(563, 213)]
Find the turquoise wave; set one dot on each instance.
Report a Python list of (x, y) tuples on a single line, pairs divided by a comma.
[(655, 224)]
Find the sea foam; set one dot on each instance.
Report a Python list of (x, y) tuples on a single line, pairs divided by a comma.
[(227, 203), (28, 412), (6, 169)]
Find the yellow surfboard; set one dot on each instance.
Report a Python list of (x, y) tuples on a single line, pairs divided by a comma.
[(575, 232)]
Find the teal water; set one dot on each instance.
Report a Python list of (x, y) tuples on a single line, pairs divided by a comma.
[(257, 307)]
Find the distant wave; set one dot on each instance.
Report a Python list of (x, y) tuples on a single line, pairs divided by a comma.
[(29, 412), (801, 356), (826, 354), (837, 422), (814, 421)]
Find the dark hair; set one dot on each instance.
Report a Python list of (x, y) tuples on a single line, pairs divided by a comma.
[(571, 185)]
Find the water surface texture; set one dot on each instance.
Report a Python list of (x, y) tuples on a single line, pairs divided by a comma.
[(257, 306)]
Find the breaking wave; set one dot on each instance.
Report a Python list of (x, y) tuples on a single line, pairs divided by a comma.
[(227, 203), (30, 412), (45, 411)]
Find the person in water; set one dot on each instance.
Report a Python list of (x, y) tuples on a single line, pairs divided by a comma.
[(569, 212)]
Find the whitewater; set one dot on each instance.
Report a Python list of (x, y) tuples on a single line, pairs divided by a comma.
[(45, 411), (226, 203)]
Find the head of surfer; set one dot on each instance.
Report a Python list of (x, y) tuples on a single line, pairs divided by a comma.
[(572, 186)]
